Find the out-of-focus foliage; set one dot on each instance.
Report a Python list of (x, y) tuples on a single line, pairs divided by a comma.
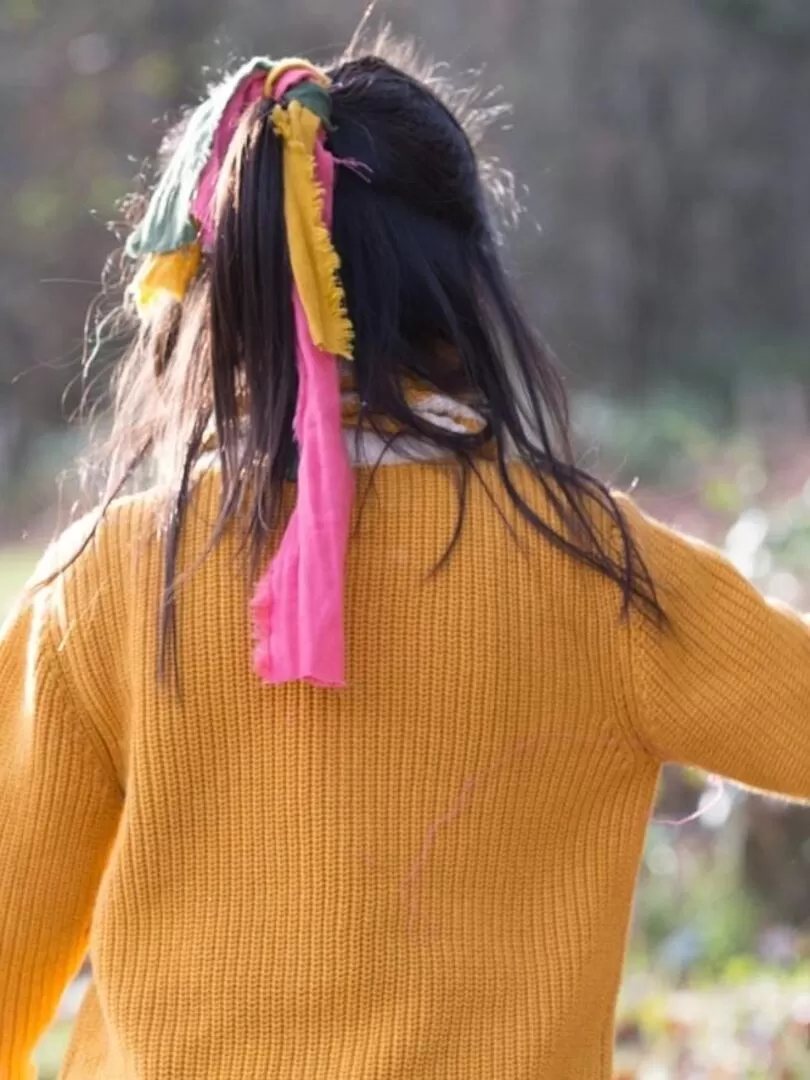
[(662, 147), (786, 20), (754, 1024)]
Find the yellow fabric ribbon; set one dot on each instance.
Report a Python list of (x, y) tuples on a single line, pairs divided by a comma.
[(293, 63), (315, 263), (164, 275)]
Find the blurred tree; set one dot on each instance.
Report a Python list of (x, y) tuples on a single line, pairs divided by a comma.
[(787, 20), (663, 147), (776, 861)]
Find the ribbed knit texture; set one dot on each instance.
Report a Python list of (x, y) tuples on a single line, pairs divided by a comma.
[(428, 876)]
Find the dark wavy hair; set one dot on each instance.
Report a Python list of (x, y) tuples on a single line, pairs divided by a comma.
[(428, 297)]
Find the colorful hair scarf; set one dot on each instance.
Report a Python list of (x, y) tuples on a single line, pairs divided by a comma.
[(298, 604)]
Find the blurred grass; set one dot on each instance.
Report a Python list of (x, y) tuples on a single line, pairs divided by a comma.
[(16, 566), (52, 1051)]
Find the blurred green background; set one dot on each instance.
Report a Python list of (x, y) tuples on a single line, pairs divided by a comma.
[(662, 162)]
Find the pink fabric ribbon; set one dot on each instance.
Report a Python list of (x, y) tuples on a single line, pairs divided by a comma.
[(298, 604), (204, 204)]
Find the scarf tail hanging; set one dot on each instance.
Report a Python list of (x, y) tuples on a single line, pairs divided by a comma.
[(298, 605)]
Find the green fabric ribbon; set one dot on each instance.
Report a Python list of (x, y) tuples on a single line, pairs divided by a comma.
[(167, 225), (316, 99)]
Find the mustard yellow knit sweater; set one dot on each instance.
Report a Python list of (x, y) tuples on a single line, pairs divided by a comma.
[(426, 877)]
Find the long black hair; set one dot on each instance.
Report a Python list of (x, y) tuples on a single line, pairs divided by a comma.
[(428, 298)]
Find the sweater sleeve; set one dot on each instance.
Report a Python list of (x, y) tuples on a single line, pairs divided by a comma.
[(725, 685), (59, 808)]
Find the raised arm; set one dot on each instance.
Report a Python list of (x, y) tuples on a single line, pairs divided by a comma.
[(726, 685)]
